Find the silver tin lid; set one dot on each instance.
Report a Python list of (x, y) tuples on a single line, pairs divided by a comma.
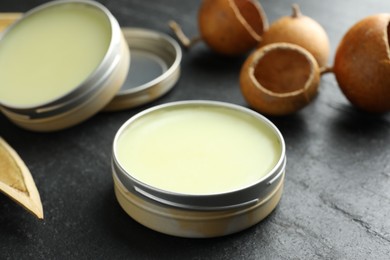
[(220, 201), (154, 68)]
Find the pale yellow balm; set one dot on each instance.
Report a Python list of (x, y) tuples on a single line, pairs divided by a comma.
[(50, 53), (198, 150)]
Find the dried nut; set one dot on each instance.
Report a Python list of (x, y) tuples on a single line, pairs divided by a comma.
[(231, 27), (362, 64), (279, 79), (300, 30)]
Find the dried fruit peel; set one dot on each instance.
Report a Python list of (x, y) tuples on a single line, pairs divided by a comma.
[(270, 88), (16, 180)]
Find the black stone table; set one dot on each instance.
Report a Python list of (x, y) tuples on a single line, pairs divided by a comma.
[(336, 201)]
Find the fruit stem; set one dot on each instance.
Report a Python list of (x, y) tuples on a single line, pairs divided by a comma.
[(185, 41), (296, 11), (326, 69)]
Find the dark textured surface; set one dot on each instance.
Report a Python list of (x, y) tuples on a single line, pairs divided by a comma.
[(336, 202)]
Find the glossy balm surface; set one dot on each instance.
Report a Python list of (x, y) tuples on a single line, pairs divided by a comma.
[(50, 53), (198, 150)]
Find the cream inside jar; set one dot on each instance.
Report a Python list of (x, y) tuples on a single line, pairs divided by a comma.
[(49, 53), (197, 149)]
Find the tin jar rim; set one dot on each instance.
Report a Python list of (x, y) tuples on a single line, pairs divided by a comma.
[(158, 45), (164, 40), (241, 197), (82, 92)]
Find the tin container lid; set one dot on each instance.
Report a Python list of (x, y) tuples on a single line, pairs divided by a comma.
[(154, 69), (244, 196)]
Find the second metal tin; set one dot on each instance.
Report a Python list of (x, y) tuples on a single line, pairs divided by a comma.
[(214, 212)]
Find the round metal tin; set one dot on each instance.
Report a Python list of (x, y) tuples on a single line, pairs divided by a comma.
[(154, 69), (90, 96), (131, 192)]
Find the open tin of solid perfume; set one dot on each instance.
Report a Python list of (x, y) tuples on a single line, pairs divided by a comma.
[(198, 168), (66, 60), (61, 63)]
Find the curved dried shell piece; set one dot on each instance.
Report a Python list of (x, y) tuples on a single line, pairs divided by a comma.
[(279, 79), (16, 180)]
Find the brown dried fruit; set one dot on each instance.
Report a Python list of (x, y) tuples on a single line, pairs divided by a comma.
[(231, 27), (362, 64), (300, 30), (279, 79), (228, 27)]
